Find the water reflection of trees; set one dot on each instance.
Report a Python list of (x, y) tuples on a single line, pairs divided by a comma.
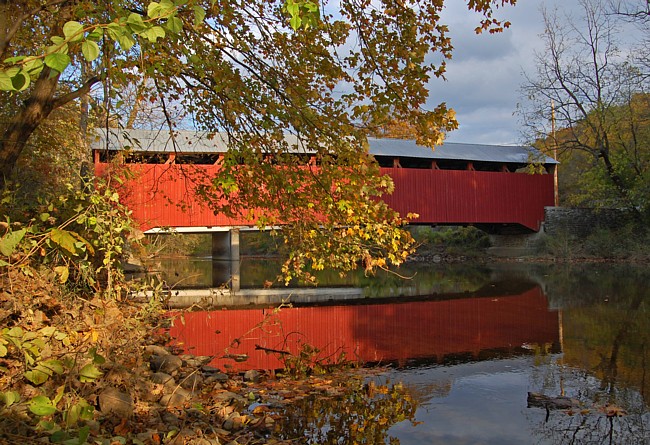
[(605, 363), (422, 279), (611, 340), (427, 279), (627, 423), (362, 415)]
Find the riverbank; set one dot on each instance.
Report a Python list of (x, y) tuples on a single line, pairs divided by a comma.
[(625, 244)]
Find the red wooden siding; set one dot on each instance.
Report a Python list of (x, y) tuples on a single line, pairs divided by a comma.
[(161, 196), (372, 333), (466, 197)]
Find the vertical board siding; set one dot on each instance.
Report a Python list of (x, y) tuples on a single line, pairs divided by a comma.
[(372, 333), (466, 197), (163, 196)]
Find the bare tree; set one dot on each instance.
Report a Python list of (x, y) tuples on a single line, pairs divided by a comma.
[(634, 10), (637, 12), (588, 86)]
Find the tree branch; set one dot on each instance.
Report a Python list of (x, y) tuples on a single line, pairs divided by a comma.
[(84, 89), (19, 23)]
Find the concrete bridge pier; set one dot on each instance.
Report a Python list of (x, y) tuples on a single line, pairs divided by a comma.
[(226, 259), (514, 245)]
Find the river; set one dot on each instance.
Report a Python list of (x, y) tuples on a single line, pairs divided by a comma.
[(467, 343)]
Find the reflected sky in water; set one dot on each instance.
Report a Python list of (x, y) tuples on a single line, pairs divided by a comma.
[(468, 403)]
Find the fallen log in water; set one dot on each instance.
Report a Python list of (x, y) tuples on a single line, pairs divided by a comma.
[(536, 400)]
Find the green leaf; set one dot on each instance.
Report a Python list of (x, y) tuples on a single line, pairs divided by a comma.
[(311, 6), (60, 391), (125, 41), (120, 35), (79, 411), (90, 50), (87, 411), (59, 436), (9, 398), (295, 22), (16, 333), (9, 242), (37, 376), (12, 71), (63, 239), (153, 10), (166, 7), (199, 15), (293, 8), (96, 358), (57, 61), (48, 331), (20, 81), (3, 350), (5, 82), (55, 366), (152, 34), (95, 35), (73, 31), (174, 25), (47, 425), (41, 406), (89, 373), (60, 46), (135, 23), (13, 60), (71, 416)]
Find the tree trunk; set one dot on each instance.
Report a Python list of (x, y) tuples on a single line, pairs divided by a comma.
[(34, 111)]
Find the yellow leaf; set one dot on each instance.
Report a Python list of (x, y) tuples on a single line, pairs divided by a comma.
[(63, 272)]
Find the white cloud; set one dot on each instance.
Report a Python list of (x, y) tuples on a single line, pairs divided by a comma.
[(485, 73)]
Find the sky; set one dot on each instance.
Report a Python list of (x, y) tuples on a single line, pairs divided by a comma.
[(486, 71)]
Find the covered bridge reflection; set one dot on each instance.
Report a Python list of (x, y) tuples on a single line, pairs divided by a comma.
[(401, 332)]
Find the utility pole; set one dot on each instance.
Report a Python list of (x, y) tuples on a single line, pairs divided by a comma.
[(555, 178)]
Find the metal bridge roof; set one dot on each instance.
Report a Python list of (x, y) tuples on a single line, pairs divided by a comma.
[(159, 141), (457, 151)]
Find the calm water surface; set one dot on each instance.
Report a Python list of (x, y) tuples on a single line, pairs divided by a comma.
[(468, 343)]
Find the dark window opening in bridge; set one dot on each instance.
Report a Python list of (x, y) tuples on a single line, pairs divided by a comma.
[(450, 164), (146, 158), (488, 166), (197, 158), (415, 163), (384, 161), (287, 159), (106, 156), (495, 167), (519, 168)]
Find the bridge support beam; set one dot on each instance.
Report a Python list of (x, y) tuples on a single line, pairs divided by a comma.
[(226, 259), (517, 245), (225, 245)]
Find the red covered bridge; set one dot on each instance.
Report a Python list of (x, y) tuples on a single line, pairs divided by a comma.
[(457, 184)]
